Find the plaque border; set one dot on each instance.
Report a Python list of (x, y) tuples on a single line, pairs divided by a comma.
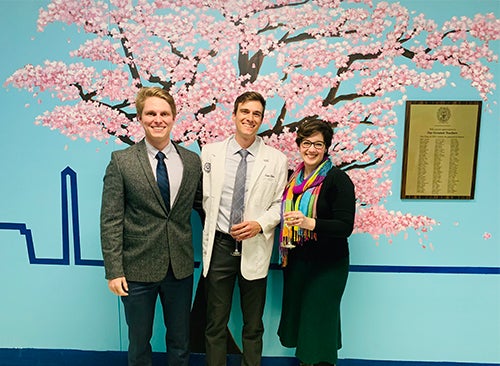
[(407, 138)]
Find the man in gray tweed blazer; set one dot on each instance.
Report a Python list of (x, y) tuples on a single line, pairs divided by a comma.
[(146, 238)]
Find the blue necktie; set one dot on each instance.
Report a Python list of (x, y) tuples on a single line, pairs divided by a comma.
[(238, 203), (162, 179)]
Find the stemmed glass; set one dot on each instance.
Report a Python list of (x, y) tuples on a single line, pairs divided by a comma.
[(236, 252), (286, 244)]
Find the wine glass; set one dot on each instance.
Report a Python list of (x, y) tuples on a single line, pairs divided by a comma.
[(286, 231), (237, 243), (236, 252)]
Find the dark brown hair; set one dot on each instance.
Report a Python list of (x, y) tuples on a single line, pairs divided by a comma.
[(311, 127), (248, 96)]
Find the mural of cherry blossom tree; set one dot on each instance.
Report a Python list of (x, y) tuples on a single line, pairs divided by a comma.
[(346, 62)]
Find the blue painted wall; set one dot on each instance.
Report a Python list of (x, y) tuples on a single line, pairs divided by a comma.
[(425, 314)]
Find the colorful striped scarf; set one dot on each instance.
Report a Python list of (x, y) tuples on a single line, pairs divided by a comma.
[(300, 194)]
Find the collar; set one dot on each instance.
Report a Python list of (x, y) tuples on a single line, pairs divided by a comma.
[(153, 150), (234, 147)]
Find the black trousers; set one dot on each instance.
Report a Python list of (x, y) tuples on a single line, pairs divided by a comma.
[(175, 296), (220, 281)]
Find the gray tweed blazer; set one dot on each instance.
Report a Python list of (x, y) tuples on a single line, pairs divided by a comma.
[(139, 239)]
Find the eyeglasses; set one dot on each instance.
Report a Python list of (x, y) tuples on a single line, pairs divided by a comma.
[(318, 145)]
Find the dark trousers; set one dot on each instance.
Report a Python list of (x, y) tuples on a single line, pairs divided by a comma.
[(220, 281), (175, 296)]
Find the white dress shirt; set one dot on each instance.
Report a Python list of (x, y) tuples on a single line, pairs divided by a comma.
[(174, 167), (232, 161)]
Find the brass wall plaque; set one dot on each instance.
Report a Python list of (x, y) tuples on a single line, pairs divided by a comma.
[(440, 149)]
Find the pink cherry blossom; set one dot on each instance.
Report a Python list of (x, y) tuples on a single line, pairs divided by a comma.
[(349, 63)]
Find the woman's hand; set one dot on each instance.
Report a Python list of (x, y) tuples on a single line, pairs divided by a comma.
[(297, 218)]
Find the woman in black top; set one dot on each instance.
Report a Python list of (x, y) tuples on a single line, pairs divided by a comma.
[(317, 218)]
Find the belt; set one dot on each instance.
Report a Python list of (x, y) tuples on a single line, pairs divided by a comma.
[(223, 236)]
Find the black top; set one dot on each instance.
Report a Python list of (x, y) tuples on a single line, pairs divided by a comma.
[(335, 220)]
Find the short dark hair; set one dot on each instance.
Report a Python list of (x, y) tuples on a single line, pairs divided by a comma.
[(154, 91), (311, 127), (248, 96)]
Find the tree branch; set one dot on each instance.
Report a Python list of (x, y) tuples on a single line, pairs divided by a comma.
[(130, 56), (350, 166)]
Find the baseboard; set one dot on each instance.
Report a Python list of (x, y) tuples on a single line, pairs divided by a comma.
[(53, 357)]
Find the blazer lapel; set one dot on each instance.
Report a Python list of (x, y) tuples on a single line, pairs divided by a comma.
[(261, 161), (186, 176), (217, 162)]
